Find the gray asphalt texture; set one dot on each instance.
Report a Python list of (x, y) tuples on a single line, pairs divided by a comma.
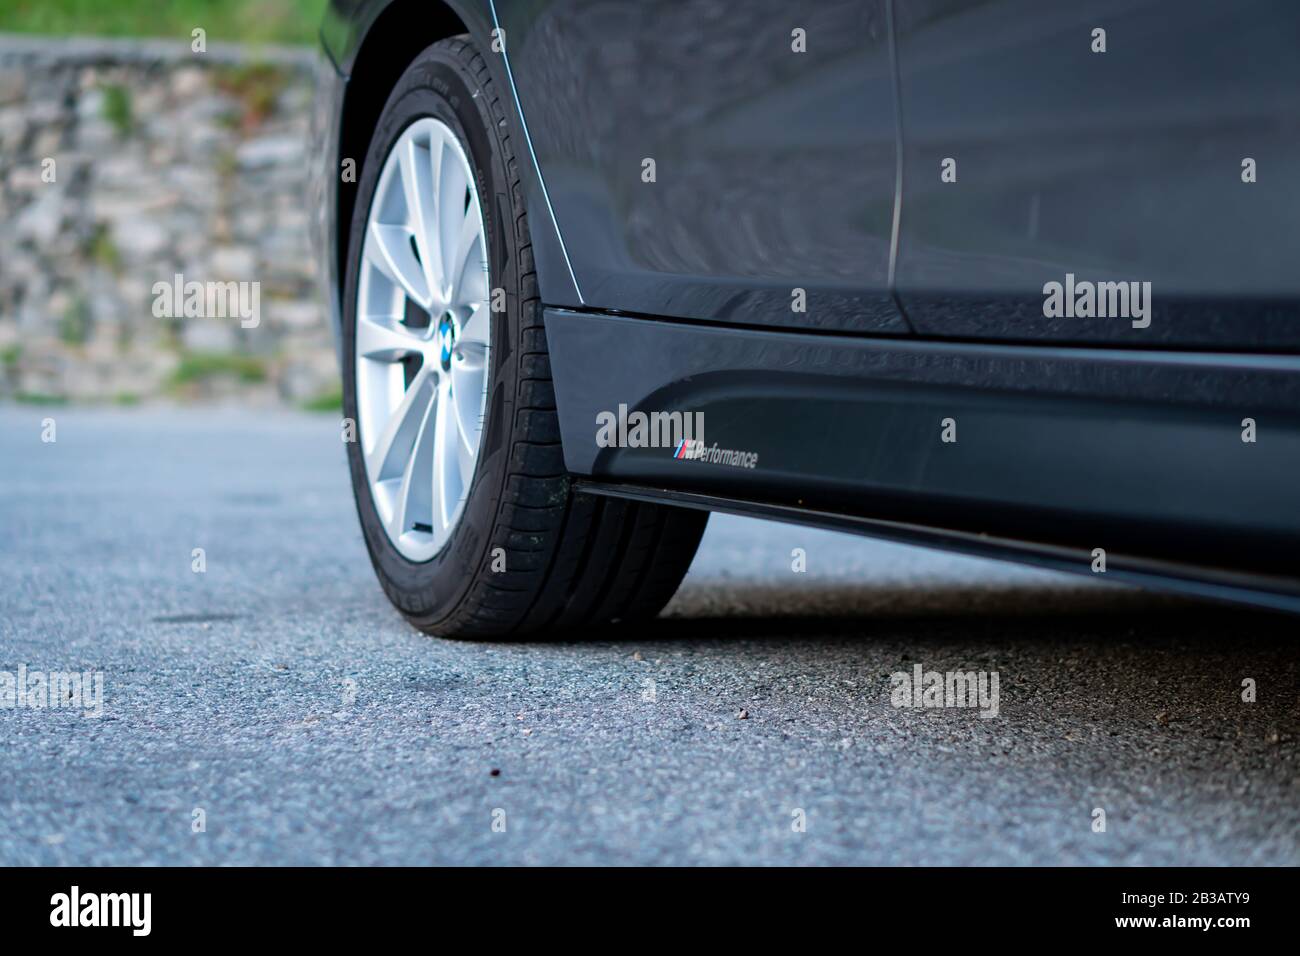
[(281, 694)]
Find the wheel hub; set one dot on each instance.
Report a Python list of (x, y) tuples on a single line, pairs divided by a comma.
[(446, 340)]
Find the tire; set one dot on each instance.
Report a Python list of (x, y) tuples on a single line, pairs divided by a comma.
[(528, 555)]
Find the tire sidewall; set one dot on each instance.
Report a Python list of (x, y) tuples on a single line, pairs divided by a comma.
[(438, 85)]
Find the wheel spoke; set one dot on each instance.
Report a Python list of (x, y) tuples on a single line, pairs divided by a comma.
[(468, 279), (466, 458), (467, 380), (390, 250), (452, 184), (447, 484), (388, 456), (417, 188), (474, 327), (384, 339), (413, 503)]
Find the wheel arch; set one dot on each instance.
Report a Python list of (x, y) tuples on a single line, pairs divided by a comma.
[(396, 33), (379, 41)]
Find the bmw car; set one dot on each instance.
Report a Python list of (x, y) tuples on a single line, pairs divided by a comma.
[(1011, 277)]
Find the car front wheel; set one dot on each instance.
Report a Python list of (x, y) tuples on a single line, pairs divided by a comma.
[(471, 522)]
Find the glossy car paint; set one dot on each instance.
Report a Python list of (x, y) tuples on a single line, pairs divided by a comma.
[(774, 169), (1117, 166), (1122, 165)]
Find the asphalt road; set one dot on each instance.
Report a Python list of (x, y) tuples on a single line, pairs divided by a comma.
[(279, 693)]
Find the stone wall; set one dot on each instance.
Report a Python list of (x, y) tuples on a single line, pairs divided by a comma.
[(163, 162)]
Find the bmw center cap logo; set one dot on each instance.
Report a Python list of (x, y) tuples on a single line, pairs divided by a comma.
[(446, 341)]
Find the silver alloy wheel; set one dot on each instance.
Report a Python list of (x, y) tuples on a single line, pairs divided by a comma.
[(422, 338)]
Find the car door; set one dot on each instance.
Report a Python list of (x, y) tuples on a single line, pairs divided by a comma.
[(1147, 141), (725, 162)]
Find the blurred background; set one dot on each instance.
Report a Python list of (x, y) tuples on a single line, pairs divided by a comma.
[(130, 157)]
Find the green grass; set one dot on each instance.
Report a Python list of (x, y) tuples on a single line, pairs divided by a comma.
[(256, 86), (39, 398), (199, 366), (327, 402), (246, 21), (103, 250), (117, 108), (74, 324)]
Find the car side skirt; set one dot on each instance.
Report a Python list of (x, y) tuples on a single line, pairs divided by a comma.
[(1049, 455)]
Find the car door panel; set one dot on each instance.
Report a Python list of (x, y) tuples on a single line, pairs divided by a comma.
[(774, 170), (1123, 165)]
